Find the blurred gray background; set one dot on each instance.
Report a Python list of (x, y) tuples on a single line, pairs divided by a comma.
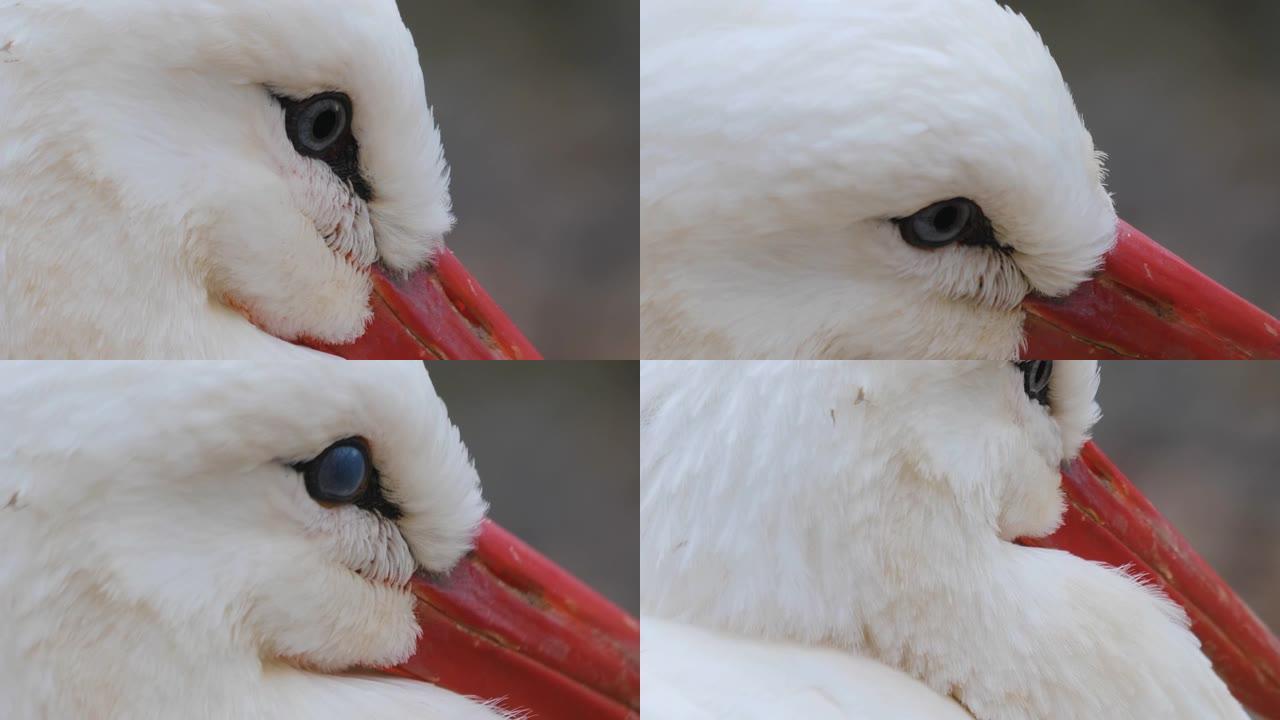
[(1183, 96), (557, 445), (1202, 441), (538, 102)]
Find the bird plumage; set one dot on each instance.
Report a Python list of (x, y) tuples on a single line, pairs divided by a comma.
[(780, 141), (173, 563), (692, 673), (872, 508), (152, 205)]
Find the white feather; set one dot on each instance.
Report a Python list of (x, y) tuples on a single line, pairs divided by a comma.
[(151, 202), (779, 140), (695, 674), (173, 564), (871, 507)]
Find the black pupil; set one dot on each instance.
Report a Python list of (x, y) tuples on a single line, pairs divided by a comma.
[(944, 221), (1036, 375), (326, 125), (340, 474), (317, 126)]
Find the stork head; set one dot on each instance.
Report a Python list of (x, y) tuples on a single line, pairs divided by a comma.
[(200, 179), (875, 506), (872, 179), (821, 461), (272, 509), (233, 522)]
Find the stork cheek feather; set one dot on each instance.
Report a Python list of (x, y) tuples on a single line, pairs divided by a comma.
[(340, 217), (1033, 502), (367, 544), (372, 626), (1002, 285), (268, 262), (988, 276)]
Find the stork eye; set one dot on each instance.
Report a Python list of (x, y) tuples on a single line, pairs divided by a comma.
[(342, 474), (958, 220), (1036, 375), (320, 127), (319, 123)]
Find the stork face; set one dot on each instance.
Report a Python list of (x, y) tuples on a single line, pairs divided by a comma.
[(826, 463), (861, 179), (212, 496), (257, 158)]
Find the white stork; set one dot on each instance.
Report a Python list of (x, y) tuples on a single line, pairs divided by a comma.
[(793, 512), (237, 540), (218, 179), (234, 179), (896, 179)]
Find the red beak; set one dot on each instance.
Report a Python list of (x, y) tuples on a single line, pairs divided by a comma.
[(509, 625), (1108, 520), (1148, 303), (437, 313)]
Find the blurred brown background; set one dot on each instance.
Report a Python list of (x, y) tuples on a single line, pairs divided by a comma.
[(1183, 96), (1202, 441), (557, 445), (538, 102)]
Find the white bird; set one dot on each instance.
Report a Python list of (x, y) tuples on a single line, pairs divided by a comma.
[(890, 178), (871, 509), (207, 180), (224, 540)]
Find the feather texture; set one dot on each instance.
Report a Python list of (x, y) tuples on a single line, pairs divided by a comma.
[(780, 141), (173, 564)]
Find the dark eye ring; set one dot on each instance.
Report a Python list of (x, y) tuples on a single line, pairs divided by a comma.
[(320, 127), (341, 475), (1036, 377), (946, 222)]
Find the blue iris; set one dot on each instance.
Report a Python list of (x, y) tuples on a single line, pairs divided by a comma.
[(341, 473)]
